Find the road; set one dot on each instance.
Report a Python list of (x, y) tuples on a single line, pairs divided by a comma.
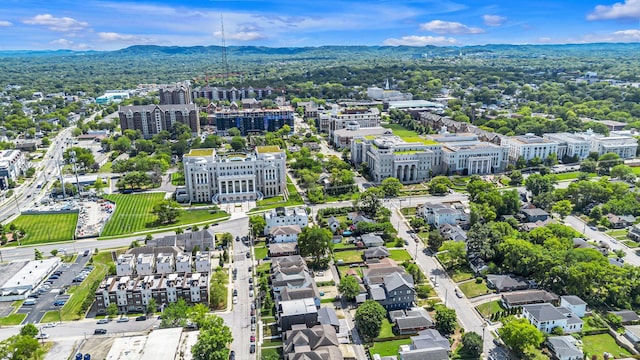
[(631, 258)]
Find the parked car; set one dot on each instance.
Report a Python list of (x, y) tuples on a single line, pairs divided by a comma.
[(253, 312), (49, 325), (42, 336), (123, 319), (252, 348), (100, 331), (248, 255), (141, 318), (232, 355), (235, 300), (253, 319), (253, 338), (79, 356), (235, 292), (253, 327), (87, 357), (103, 321)]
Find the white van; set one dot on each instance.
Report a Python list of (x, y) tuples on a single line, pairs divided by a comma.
[(30, 301)]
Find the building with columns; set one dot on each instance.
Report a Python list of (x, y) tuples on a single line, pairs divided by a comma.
[(465, 154), (410, 160), (529, 146), (570, 145), (228, 177)]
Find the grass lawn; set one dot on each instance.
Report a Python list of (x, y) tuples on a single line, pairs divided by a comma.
[(408, 211), (587, 327), (106, 168), (260, 250), (630, 243), (386, 331), (272, 353), (72, 310), (399, 255), (349, 256), (599, 344), (388, 348), (132, 214), (344, 268), (196, 216), (472, 289), (618, 232), (344, 245), (43, 228), (265, 267), (271, 343), (490, 308), (13, 319), (177, 178), (51, 316), (460, 273), (571, 175)]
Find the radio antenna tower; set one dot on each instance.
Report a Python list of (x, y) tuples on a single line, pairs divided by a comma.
[(225, 62)]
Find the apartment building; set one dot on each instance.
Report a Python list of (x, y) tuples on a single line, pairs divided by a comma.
[(145, 264), (203, 261), (175, 94), (152, 119), (183, 262), (132, 293), (337, 118), (125, 265), (529, 146), (232, 94), (410, 161), (250, 118), (13, 164), (227, 177), (164, 263)]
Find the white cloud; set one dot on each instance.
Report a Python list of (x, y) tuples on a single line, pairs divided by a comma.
[(124, 38), (241, 35), (629, 9), (621, 36), (494, 20), (63, 24), (449, 27), (415, 40), (629, 35), (5, 23)]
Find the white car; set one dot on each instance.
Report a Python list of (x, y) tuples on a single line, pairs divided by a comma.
[(235, 299), (42, 336), (50, 325)]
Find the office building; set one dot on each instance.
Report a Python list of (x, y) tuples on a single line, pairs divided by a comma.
[(570, 145), (152, 119), (226, 177), (464, 153), (529, 147)]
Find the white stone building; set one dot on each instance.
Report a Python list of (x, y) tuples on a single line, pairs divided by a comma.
[(285, 216), (617, 142), (386, 156), (285, 234), (570, 145), (464, 153), (545, 317), (529, 146), (164, 263), (213, 177), (336, 118), (13, 164)]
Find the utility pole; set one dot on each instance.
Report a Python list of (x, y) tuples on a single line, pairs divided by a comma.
[(64, 192), (75, 169)]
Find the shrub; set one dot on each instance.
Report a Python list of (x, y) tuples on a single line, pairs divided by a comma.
[(479, 280)]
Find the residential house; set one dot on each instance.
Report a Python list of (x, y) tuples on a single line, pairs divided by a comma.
[(285, 234), (357, 217), (411, 321), (283, 249), (318, 342), (575, 304), (281, 216), (634, 233), (328, 316), (395, 292), (125, 265), (527, 297), (452, 232), (627, 316), (428, 345), (545, 317), (299, 311), (503, 283), (436, 214), (564, 348), (620, 222), (535, 214), (371, 240), (203, 261), (377, 252), (333, 224), (632, 332)]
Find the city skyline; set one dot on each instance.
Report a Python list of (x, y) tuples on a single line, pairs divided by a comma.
[(110, 25)]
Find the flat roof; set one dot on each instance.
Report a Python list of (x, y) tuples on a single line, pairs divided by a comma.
[(201, 152), (31, 273), (158, 345), (268, 149)]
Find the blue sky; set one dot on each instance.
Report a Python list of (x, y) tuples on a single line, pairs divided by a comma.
[(111, 24)]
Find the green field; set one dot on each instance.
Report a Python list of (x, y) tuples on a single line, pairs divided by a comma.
[(472, 289), (388, 348), (599, 344), (42, 228), (349, 256), (490, 308), (177, 179), (133, 214), (399, 255)]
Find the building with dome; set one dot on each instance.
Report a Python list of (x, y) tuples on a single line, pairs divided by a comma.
[(233, 176)]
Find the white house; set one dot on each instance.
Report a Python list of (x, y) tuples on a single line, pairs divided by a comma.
[(575, 304), (565, 348), (164, 263), (203, 262), (285, 234), (183, 263), (145, 264), (438, 214), (125, 265), (284, 217), (545, 317)]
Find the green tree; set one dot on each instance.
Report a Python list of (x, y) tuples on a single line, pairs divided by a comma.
[(562, 207), (472, 343), (608, 161), (369, 316), (213, 340), (29, 330), (30, 172), (623, 172), (21, 347), (238, 143), (369, 201), (349, 287), (435, 240), (112, 310), (152, 306), (519, 334), (391, 186), (417, 222), (167, 211), (538, 184), (315, 242), (37, 254), (452, 253), (515, 179), (257, 223), (446, 320), (439, 185), (234, 131)]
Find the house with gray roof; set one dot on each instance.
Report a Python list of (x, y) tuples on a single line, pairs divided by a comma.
[(371, 240), (575, 304), (328, 316), (545, 317), (411, 321), (294, 312), (564, 348), (395, 292), (318, 342), (187, 241), (535, 214), (503, 283), (427, 345), (436, 214), (627, 316), (377, 252), (333, 224), (527, 297), (285, 233)]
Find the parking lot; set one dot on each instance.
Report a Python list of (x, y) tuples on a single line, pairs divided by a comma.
[(53, 296)]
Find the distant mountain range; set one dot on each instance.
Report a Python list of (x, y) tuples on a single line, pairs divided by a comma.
[(330, 51)]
